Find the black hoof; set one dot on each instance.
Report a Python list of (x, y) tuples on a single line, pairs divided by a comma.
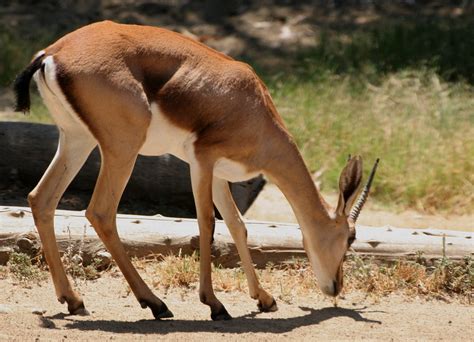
[(272, 308), (221, 315), (79, 310), (159, 311)]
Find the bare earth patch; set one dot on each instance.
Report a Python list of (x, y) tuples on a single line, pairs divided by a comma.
[(115, 314)]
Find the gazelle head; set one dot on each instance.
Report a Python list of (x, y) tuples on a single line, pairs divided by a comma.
[(326, 251)]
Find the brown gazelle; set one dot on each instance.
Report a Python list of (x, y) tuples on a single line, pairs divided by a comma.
[(143, 90)]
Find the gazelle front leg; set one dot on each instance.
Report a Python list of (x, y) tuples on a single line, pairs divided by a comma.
[(114, 173), (229, 211), (201, 179)]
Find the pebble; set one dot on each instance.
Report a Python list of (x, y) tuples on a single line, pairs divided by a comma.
[(77, 259), (103, 259), (38, 311)]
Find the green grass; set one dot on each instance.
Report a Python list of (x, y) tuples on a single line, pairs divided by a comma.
[(421, 127), (402, 92)]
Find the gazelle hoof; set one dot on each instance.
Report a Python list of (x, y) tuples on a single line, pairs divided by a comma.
[(221, 315), (79, 310), (272, 308), (159, 311)]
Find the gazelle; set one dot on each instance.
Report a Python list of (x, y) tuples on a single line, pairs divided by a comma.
[(143, 90)]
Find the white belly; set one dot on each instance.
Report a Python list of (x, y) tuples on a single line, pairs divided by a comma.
[(164, 137), (232, 171)]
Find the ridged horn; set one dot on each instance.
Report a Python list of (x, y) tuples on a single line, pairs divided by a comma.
[(363, 196)]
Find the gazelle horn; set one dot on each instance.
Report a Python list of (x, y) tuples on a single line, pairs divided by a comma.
[(363, 196)]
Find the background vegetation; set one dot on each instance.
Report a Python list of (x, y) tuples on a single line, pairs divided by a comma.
[(399, 88), (402, 92)]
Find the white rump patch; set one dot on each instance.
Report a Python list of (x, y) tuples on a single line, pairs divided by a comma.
[(39, 53), (60, 109)]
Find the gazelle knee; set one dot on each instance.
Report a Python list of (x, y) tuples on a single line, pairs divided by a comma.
[(39, 207), (33, 200), (238, 230), (102, 223)]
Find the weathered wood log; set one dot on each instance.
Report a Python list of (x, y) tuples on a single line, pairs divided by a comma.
[(26, 149), (268, 242)]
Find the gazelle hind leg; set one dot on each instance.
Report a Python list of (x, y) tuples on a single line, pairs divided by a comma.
[(229, 211), (114, 173), (73, 150), (201, 180)]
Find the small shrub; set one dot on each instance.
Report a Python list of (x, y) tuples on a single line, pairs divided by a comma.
[(181, 271), (20, 266)]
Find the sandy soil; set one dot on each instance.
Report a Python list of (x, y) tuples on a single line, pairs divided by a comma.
[(116, 315)]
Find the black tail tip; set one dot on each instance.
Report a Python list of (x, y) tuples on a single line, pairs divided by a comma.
[(21, 85), (22, 107)]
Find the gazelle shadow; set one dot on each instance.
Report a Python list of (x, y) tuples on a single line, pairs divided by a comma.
[(243, 324)]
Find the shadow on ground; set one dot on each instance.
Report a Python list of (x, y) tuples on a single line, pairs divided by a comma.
[(243, 324)]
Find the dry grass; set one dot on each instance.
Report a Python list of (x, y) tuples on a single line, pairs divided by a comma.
[(445, 279)]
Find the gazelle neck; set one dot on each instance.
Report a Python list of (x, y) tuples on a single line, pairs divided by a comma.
[(290, 174)]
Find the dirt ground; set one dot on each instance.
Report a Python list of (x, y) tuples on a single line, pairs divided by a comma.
[(115, 314)]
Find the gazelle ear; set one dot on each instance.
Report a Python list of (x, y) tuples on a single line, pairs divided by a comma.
[(349, 183)]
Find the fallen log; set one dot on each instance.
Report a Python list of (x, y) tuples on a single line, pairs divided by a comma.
[(268, 242), (159, 184)]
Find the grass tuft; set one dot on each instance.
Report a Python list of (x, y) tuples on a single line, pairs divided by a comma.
[(444, 279), (177, 271), (21, 268)]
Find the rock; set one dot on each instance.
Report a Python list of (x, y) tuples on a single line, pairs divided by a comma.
[(5, 253), (38, 311), (18, 213), (25, 245), (77, 259), (102, 260)]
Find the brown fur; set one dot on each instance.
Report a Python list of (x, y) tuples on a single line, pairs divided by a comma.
[(110, 74)]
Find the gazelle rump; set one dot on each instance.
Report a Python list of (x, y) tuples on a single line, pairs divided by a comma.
[(142, 90)]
